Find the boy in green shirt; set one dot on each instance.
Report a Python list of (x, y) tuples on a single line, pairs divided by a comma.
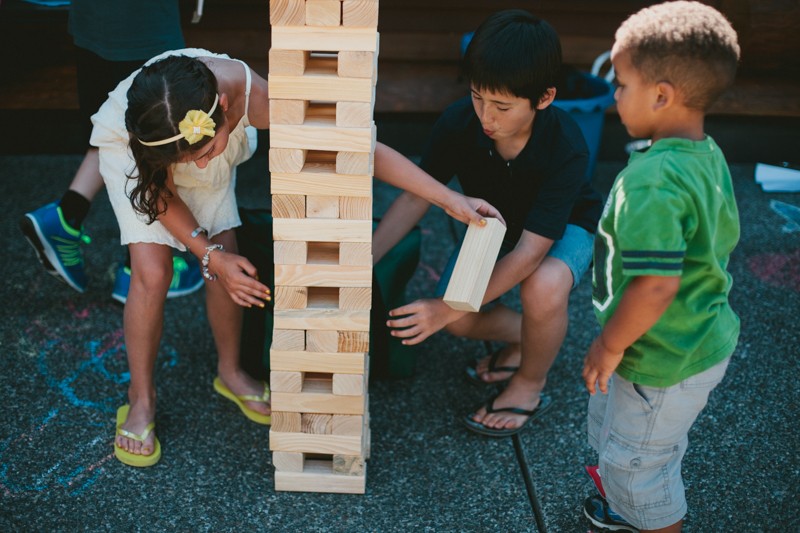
[(661, 285)]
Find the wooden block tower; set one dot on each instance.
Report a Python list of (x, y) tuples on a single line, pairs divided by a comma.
[(322, 75)]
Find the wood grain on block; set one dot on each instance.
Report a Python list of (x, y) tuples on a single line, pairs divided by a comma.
[(288, 111), (322, 319), (322, 180), (349, 384), (355, 208), (288, 461), (317, 340), (288, 339), (318, 476), (287, 63), (355, 253), (324, 39), (358, 163), (290, 297), (322, 134), (322, 207), (358, 65), (474, 265), (323, 12), (360, 13), (323, 298), (354, 114), (308, 402), (323, 253), (286, 422), (288, 206), (323, 276), (347, 425), (287, 12), (348, 465), (287, 160), (308, 361), (310, 229), (315, 423), (355, 297), (290, 252), (285, 381), (325, 87), (311, 443), (353, 341)]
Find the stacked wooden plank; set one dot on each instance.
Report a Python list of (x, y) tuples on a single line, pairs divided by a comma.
[(322, 75)]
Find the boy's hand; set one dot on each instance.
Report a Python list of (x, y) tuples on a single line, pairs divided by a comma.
[(598, 365), (421, 319), (467, 209), (240, 279)]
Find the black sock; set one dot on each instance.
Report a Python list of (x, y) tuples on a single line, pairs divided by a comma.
[(74, 207)]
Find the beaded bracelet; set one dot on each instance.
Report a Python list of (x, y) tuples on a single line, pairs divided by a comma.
[(206, 258)]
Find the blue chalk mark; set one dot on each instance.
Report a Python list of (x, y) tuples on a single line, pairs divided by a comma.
[(789, 212)]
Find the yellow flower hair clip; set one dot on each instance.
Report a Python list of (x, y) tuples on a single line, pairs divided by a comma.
[(194, 126)]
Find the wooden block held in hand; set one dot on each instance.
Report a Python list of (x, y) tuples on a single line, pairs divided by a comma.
[(474, 265)]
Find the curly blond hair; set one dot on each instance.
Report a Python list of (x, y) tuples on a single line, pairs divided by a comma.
[(688, 44)]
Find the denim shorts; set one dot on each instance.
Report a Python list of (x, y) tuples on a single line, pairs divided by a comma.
[(641, 434), (574, 249)]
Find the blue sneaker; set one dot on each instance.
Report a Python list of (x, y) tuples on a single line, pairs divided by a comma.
[(57, 245), (599, 513), (186, 279)]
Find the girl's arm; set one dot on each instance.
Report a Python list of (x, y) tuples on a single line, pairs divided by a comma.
[(232, 270)]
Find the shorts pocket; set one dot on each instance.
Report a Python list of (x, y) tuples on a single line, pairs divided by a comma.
[(638, 478)]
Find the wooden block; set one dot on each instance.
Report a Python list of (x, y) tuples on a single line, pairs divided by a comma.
[(285, 160), (322, 206), (358, 163), (323, 253), (357, 65), (286, 422), (321, 180), (355, 298), (287, 12), (288, 206), (331, 319), (474, 265), (290, 382), (353, 114), (287, 62), (324, 13), (319, 134), (355, 208), (355, 253), (289, 340), (287, 112), (360, 13), (329, 361), (315, 424), (318, 476), (317, 340), (353, 341), (347, 425), (290, 297), (323, 86), (348, 384), (310, 443), (321, 63), (307, 402), (323, 276), (320, 39), (290, 252), (288, 461), (323, 298), (310, 229), (348, 465)]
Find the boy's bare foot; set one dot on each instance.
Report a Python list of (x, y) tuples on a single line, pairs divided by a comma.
[(140, 415), (500, 366)]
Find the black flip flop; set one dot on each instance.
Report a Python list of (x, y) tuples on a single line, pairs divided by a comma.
[(474, 377), (544, 405)]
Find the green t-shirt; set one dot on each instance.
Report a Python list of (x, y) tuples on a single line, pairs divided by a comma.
[(671, 212)]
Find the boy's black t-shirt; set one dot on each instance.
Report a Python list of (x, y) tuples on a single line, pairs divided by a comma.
[(542, 190)]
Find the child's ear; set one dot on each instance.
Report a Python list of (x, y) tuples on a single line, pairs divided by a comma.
[(665, 95), (546, 99)]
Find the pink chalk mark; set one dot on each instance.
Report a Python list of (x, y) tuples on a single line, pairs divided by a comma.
[(777, 270), (431, 271)]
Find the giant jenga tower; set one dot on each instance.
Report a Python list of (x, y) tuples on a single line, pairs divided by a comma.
[(322, 75)]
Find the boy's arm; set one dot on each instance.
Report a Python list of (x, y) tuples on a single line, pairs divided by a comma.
[(401, 217), (395, 169), (642, 304), (422, 318)]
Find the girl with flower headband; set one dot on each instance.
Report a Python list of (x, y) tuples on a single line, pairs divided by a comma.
[(170, 138)]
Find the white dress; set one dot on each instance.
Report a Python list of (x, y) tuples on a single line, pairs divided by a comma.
[(209, 193)]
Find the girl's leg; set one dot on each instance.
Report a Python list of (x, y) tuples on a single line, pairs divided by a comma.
[(225, 318), (143, 322)]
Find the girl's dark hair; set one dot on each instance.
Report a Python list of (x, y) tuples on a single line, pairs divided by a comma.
[(514, 52), (159, 98)]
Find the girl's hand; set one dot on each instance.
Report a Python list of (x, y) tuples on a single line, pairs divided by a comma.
[(240, 279), (467, 209), (421, 319)]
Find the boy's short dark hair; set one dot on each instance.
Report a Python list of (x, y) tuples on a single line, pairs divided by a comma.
[(514, 52), (688, 44)]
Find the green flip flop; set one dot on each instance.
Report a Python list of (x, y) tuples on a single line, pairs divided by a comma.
[(135, 459), (256, 417)]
